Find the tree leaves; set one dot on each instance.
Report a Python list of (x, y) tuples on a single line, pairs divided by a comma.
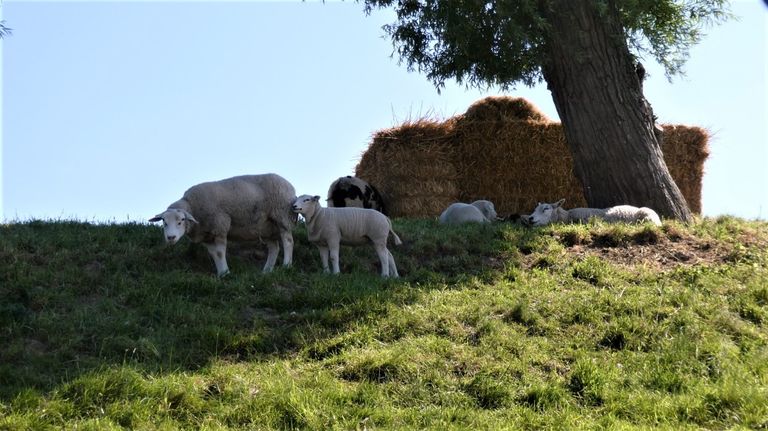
[(501, 43)]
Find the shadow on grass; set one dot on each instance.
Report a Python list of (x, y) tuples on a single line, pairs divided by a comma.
[(77, 297)]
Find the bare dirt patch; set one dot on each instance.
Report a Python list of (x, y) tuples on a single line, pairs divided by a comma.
[(665, 251), (665, 254)]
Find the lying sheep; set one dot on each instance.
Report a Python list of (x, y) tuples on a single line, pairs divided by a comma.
[(243, 208), (546, 213), (481, 211), (354, 192), (327, 228)]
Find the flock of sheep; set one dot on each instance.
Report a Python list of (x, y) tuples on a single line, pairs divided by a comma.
[(266, 208)]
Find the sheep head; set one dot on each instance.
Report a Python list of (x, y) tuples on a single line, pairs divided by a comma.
[(306, 205), (176, 223), (546, 213)]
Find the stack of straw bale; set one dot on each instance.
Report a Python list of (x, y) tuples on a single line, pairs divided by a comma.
[(504, 150), (685, 150), (413, 168), (512, 158), (499, 109)]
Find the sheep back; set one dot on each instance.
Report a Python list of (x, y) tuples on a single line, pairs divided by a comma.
[(253, 207), (354, 192), (632, 214), (349, 226), (458, 213), (487, 208)]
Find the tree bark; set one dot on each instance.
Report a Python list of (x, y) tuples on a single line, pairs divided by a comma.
[(607, 125)]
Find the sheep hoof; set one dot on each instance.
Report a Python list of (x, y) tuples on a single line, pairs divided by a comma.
[(223, 274)]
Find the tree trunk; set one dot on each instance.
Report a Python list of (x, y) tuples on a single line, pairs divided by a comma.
[(598, 95)]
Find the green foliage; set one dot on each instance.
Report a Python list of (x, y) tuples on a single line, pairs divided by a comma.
[(4, 31), (478, 43), (104, 327), (502, 43), (667, 29)]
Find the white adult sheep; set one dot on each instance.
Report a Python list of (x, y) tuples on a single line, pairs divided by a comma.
[(327, 228), (481, 211), (546, 213), (242, 208)]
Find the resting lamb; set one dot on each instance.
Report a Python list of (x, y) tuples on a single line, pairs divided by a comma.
[(354, 192), (327, 228), (546, 213), (481, 211), (243, 208)]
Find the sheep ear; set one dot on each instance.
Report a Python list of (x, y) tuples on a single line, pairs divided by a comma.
[(316, 198), (156, 218), (560, 202), (189, 217)]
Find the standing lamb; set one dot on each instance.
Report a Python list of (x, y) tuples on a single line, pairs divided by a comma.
[(327, 228), (546, 213), (354, 192), (481, 211), (243, 208)]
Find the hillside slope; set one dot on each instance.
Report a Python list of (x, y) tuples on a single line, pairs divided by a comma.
[(490, 327)]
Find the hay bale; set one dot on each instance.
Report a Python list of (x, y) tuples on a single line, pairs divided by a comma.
[(412, 167), (504, 150), (494, 109), (515, 165), (685, 151)]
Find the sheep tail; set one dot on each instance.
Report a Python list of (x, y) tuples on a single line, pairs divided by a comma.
[(395, 238)]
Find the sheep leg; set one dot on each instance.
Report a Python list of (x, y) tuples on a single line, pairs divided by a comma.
[(334, 255), (392, 266), (383, 253), (272, 249), (323, 257), (218, 252), (287, 239)]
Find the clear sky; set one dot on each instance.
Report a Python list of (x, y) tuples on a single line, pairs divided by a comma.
[(111, 110)]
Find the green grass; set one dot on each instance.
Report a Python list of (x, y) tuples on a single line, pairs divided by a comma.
[(490, 327)]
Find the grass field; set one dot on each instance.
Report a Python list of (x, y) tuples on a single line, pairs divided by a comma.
[(490, 327)]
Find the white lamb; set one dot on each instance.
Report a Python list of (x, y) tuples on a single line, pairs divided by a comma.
[(243, 208), (327, 228), (546, 213), (481, 211)]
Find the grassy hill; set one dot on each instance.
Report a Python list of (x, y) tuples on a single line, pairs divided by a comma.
[(490, 327)]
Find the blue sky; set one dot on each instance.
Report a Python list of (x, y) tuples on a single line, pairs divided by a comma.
[(110, 110)]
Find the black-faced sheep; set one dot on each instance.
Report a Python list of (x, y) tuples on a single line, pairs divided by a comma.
[(354, 192), (546, 213), (328, 228), (481, 211), (243, 208)]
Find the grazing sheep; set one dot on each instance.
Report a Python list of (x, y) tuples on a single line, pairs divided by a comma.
[(327, 228), (354, 192), (477, 212), (243, 208), (546, 213)]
